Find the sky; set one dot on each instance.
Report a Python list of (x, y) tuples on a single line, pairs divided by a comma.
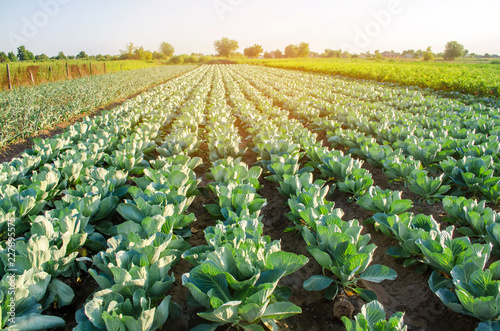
[(192, 26)]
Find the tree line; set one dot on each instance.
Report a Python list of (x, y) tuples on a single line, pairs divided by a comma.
[(131, 52), (227, 47)]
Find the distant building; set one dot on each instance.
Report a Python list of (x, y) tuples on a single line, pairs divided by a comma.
[(391, 55)]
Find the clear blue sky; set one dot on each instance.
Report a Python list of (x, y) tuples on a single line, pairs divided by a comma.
[(104, 27)]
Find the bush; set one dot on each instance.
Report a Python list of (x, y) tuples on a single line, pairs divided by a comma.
[(178, 59), (204, 58), (428, 56), (159, 56), (191, 59)]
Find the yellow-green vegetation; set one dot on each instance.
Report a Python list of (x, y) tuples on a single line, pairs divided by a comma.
[(27, 110), (473, 78), (33, 73)]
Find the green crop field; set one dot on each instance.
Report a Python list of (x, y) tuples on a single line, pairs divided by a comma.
[(33, 73), (255, 198), (474, 78), (26, 111)]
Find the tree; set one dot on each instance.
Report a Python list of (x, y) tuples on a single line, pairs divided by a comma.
[(141, 54), (178, 59), (12, 57), (23, 54), (428, 55), (191, 59), (303, 49), (82, 55), (267, 55), (410, 52), (453, 50), (418, 54), (332, 53), (253, 51), (346, 55), (291, 51), (278, 54), (167, 49), (129, 49), (61, 56), (4, 58), (225, 46), (42, 57), (159, 56)]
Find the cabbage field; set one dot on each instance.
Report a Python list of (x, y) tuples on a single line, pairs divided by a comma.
[(238, 197)]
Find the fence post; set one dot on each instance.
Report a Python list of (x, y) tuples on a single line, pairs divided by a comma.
[(67, 70), (8, 77), (32, 79), (104, 67), (90, 66), (121, 67)]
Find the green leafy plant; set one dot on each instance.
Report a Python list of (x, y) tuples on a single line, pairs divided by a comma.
[(472, 290), (236, 198), (408, 229), (386, 201), (340, 248), (356, 183), (429, 188), (293, 184), (238, 285), (398, 167), (232, 170), (281, 165), (372, 317)]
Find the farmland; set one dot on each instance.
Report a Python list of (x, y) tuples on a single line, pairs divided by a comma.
[(29, 73), (254, 197), (477, 79), (26, 111)]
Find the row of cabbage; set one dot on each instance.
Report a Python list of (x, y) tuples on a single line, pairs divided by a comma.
[(420, 236), (235, 277), (26, 111), (337, 246), (134, 271), (413, 134), (58, 197)]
